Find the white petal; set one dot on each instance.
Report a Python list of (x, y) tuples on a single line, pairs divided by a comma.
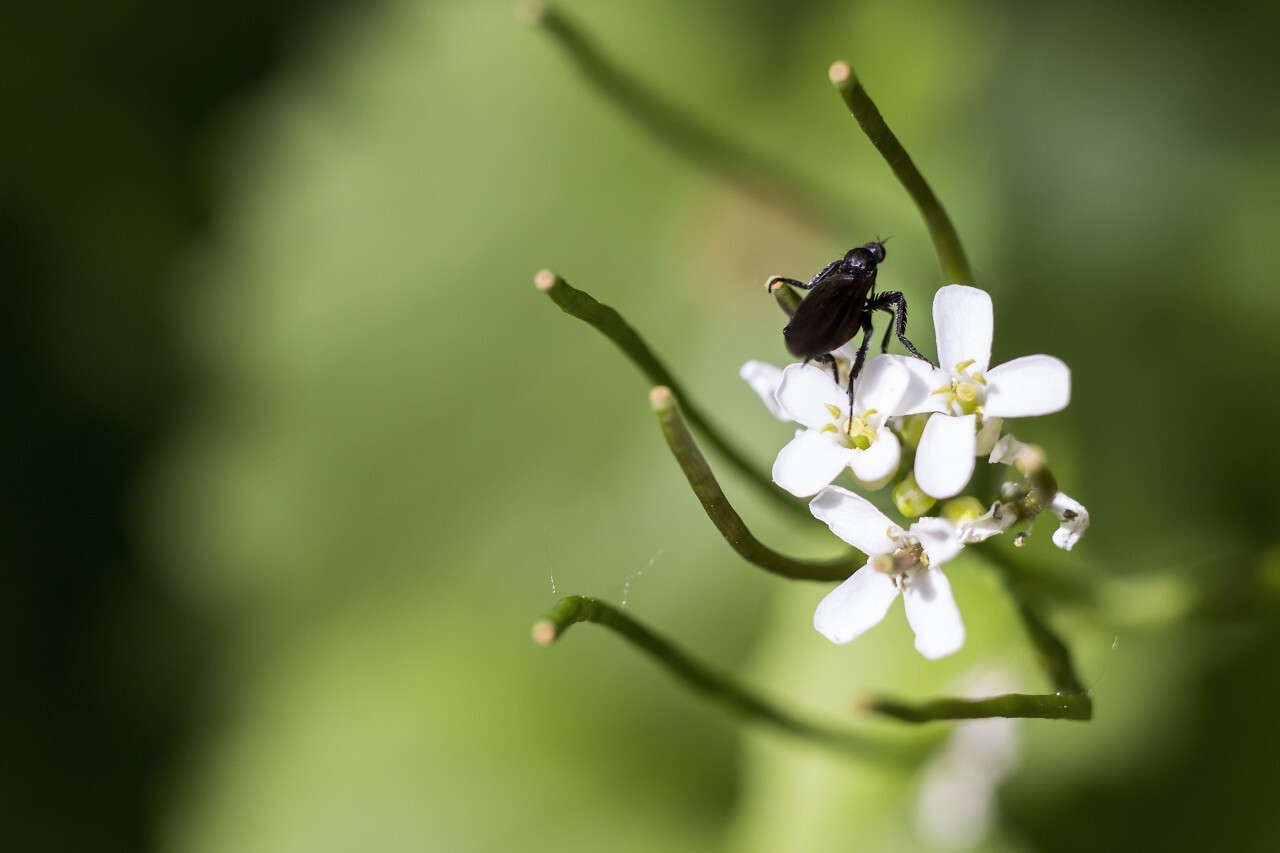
[(805, 393), (1071, 529), (880, 459), (764, 379), (810, 461), (1028, 386), (925, 379), (939, 538), (963, 321), (856, 605), (932, 613), (944, 460), (881, 387), (855, 520)]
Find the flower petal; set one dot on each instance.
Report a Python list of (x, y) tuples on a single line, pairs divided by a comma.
[(805, 393), (963, 321), (944, 460), (881, 387), (939, 538), (880, 459), (925, 379), (932, 613), (764, 379), (855, 520), (856, 605), (810, 461), (1028, 386)]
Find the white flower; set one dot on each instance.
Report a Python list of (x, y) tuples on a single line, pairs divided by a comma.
[(899, 560), (968, 399), (836, 437)]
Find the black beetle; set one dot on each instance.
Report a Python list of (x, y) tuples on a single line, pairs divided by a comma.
[(841, 300)]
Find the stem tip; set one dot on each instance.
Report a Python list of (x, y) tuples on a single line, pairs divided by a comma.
[(531, 12), (544, 280), (660, 397), (774, 283), (544, 633), (840, 72)]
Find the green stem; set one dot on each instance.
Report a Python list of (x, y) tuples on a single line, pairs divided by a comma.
[(736, 699), (689, 138), (722, 514), (1055, 657), (1021, 705), (955, 266)]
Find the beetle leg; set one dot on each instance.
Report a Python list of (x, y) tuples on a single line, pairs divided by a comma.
[(791, 281), (896, 304), (828, 358), (820, 276), (862, 354)]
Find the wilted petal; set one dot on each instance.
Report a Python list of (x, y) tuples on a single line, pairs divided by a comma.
[(764, 379), (932, 613), (855, 520), (995, 521), (806, 392), (1006, 450), (944, 460), (1028, 386), (810, 461), (939, 538), (963, 322), (880, 459), (856, 605), (1075, 521)]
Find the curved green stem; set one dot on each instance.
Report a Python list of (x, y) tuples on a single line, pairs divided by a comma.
[(582, 305), (722, 514), (689, 138), (955, 266), (1021, 705), (737, 699)]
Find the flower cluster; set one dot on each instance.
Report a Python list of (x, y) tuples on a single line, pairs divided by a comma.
[(963, 403)]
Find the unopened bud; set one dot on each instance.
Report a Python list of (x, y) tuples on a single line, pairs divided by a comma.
[(910, 500)]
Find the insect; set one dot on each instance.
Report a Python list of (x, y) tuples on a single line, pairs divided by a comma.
[(841, 302)]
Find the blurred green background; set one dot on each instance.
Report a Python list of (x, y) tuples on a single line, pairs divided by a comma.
[(296, 454)]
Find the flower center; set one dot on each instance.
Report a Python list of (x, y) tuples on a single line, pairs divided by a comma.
[(966, 392), (853, 432), (897, 563), (859, 430)]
